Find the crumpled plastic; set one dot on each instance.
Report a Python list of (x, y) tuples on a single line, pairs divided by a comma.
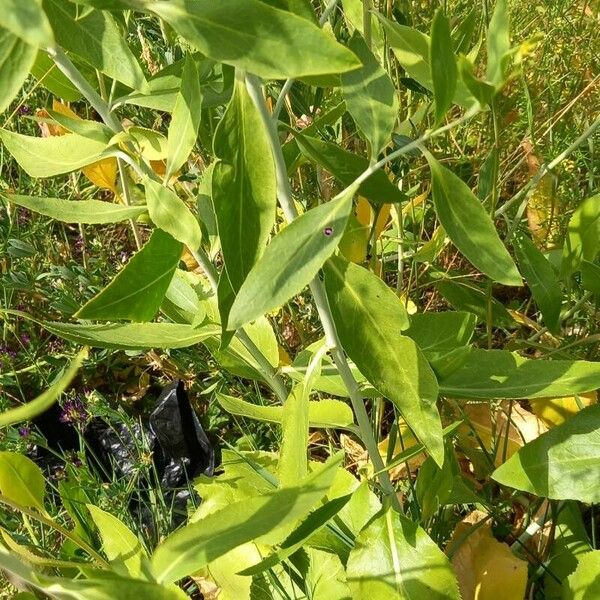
[(173, 434)]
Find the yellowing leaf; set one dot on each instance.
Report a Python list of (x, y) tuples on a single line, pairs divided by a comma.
[(366, 215), (64, 109), (486, 569), (523, 427), (555, 411), (103, 173)]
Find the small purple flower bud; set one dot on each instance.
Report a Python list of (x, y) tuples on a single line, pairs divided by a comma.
[(24, 110), (25, 339), (328, 231), (74, 412), (24, 431)]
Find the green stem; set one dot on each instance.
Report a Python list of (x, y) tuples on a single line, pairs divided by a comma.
[(102, 108), (367, 23), (266, 369), (51, 523), (284, 195)]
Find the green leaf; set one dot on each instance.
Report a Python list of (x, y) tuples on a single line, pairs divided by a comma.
[(120, 545), (590, 277), (16, 59), (243, 186), (326, 414), (22, 481), (469, 226), (84, 127), (185, 119), (96, 38), (195, 545), (256, 37), (393, 558), (45, 400), (138, 289), (370, 97), (563, 463), (326, 576), (291, 260), (369, 319), (27, 21), (435, 332), (293, 458), (583, 236), (132, 336), (346, 167), (171, 214), (54, 80), (503, 374), (473, 299), (541, 279), (498, 43), (298, 538), (483, 91), (47, 157), (78, 211), (443, 65), (584, 583), (412, 49)]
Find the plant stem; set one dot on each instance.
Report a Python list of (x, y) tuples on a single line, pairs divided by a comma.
[(62, 530), (63, 62), (284, 195), (266, 369), (287, 86), (367, 23), (102, 108)]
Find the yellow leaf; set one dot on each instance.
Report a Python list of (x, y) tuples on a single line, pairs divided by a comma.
[(555, 411), (103, 173), (366, 215), (64, 109), (486, 569), (494, 434), (284, 357)]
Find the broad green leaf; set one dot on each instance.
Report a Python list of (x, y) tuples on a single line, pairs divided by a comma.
[(293, 459), (46, 399), (195, 545), (302, 8), (503, 374), (291, 260), (441, 331), (469, 226), (138, 289), (370, 97), (16, 59), (369, 319), (541, 279), (325, 413), (394, 559), (483, 91), (243, 187), (570, 541), (583, 236), (326, 576), (151, 144), (298, 538), (27, 21), (584, 583), (101, 586), (256, 37), (354, 17), (78, 211), (412, 49), (22, 481), (97, 39), (183, 296), (50, 156), (54, 80), (471, 298), (120, 545), (84, 127), (185, 119), (563, 463), (346, 167), (590, 277), (443, 65), (498, 43), (170, 213), (132, 336)]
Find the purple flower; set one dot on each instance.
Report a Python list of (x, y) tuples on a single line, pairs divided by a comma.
[(79, 244), (5, 350), (55, 345), (24, 110), (24, 431), (25, 339), (74, 412)]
